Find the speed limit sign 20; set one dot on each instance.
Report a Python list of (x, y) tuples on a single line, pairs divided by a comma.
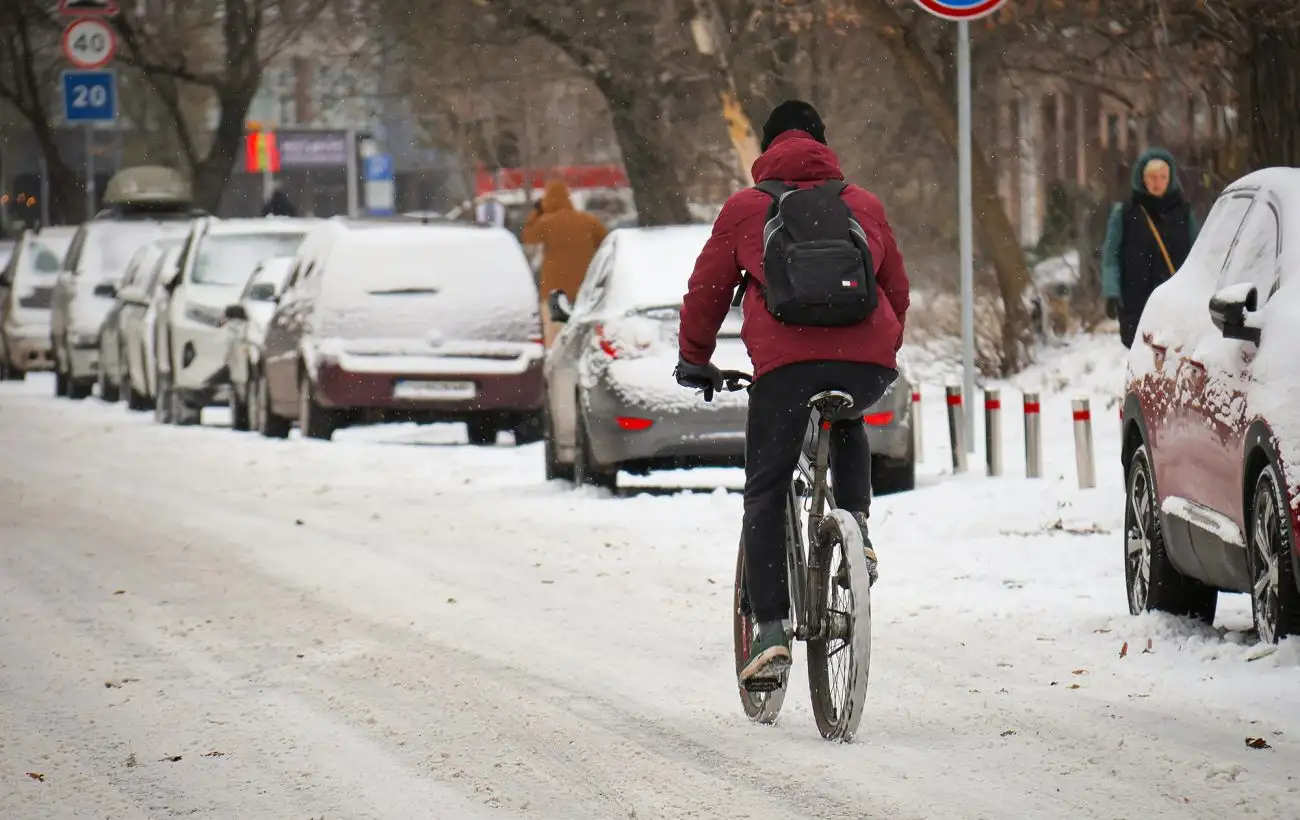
[(89, 43)]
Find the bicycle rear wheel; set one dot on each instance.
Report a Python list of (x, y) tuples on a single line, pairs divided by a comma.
[(839, 659), (761, 707)]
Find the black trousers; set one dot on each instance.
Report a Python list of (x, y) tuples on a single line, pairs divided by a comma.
[(774, 434)]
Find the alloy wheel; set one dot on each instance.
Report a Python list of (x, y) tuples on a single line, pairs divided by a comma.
[(1266, 574), (1138, 527)]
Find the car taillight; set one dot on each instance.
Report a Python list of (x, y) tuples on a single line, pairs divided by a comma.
[(879, 419), (623, 340), (605, 344), (634, 424)]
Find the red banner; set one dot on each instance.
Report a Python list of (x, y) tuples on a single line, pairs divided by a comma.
[(574, 176)]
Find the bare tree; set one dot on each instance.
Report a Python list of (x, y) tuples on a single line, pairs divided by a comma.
[(29, 66), (180, 50)]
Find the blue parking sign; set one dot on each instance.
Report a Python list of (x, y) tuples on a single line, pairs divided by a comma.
[(89, 96), (378, 167)]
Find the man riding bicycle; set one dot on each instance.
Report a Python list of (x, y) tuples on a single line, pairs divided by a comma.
[(818, 315)]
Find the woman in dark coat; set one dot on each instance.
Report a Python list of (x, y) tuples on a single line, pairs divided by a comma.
[(1147, 240)]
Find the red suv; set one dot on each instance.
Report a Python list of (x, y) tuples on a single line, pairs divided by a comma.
[(1212, 417)]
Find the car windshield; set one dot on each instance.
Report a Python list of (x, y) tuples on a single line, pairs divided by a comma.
[(653, 265), (229, 259), (111, 244)]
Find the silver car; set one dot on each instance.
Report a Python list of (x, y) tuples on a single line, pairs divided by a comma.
[(246, 322), (26, 289), (611, 401)]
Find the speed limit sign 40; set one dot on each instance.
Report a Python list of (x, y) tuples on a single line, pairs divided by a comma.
[(89, 43)]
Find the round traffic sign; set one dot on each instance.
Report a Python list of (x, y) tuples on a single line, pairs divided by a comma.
[(960, 9), (89, 43)]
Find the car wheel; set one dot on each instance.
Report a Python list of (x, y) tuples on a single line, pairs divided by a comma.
[(182, 413), (162, 406), (554, 469), (269, 424), (585, 470), (482, 432), (60, 375), (889, 475), (135, 400), (80, 389), (313, 420), (254, 406), (108, 391), (528, 429), (1153, 582), (238, 410), (1274, 598)]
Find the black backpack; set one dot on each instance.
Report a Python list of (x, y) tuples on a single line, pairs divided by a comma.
[(816, 260)]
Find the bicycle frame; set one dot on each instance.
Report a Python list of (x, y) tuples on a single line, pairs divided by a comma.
[(814, 465)]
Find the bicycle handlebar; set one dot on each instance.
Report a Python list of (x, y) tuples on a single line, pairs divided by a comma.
[(733, 381)]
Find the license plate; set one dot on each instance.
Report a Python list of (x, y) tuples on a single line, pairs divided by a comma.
[(435, 391)]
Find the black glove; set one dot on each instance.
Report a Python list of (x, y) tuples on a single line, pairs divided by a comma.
[(704, 377), (1112, 308)]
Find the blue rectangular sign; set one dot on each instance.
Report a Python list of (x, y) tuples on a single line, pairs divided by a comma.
[(89, 96), (378, 167)]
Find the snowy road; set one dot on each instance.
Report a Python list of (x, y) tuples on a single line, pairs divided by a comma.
[(204, 624)]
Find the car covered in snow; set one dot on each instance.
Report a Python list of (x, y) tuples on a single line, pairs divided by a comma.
[(404, 322), (121, 336), (246, 322), (26, 290), (611, 401), (1211, 417), (218, 258), (143, 204)]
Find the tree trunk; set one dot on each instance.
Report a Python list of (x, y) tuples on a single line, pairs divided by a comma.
[(643, 138), (1272, 73), (212, 173), (997, 235)]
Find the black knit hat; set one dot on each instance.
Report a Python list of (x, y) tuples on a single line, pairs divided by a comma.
[(793, 115)]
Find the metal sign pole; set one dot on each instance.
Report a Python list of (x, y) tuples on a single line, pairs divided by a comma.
[(90, 170), (966, 222)]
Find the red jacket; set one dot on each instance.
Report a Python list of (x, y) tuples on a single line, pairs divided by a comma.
[(737, 245)]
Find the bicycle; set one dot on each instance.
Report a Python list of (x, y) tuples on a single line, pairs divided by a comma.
[(823, 564)]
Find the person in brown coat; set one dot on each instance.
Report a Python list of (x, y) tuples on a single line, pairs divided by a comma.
[(569, 238)]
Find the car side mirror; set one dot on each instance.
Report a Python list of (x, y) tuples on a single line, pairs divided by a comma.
[(1230, 309), (106, 289), (559, 306), (236, 313)]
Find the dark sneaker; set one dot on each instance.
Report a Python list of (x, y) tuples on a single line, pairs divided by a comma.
[(769, 656), (842, 577)]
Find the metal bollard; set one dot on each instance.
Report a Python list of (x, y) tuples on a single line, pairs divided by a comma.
[(1033, 437), (993, 431), (918, 442), (1083, 444), (956, 428)]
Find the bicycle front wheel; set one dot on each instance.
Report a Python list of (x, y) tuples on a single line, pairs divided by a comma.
[(839, 656), (761, 707)]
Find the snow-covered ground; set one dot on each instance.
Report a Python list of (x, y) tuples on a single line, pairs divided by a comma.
[(200, 623)]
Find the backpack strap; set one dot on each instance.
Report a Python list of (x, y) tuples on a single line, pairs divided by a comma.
[(776, 189)]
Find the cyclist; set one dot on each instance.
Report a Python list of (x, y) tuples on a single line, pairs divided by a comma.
[(793, 362)]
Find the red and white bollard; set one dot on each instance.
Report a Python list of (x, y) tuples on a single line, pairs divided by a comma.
[(993, 431), (956, 428), (918, 442), (1083, 444), (1033, 437)]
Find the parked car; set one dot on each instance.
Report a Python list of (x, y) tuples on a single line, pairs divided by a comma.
[(246, 322), (404, 323), (119, 336), (611, 401), (141, 336), (7, 248), (1211, 435), (218, 258), (144, 204), (26, 289)]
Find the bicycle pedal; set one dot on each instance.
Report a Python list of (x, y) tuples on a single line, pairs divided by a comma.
[(762, 685)]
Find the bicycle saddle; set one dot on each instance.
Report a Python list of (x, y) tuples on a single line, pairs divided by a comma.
[(833, 405)]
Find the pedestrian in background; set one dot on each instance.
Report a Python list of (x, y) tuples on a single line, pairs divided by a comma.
[(569, 238), (1147, 240), (279, 204)]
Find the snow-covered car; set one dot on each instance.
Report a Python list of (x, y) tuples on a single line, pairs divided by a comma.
[(142, 337), (26, 289), (416, 323), (121, 336), (611, 401), (246, 322), (143, 204), (1211, 428), (217, 261)]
